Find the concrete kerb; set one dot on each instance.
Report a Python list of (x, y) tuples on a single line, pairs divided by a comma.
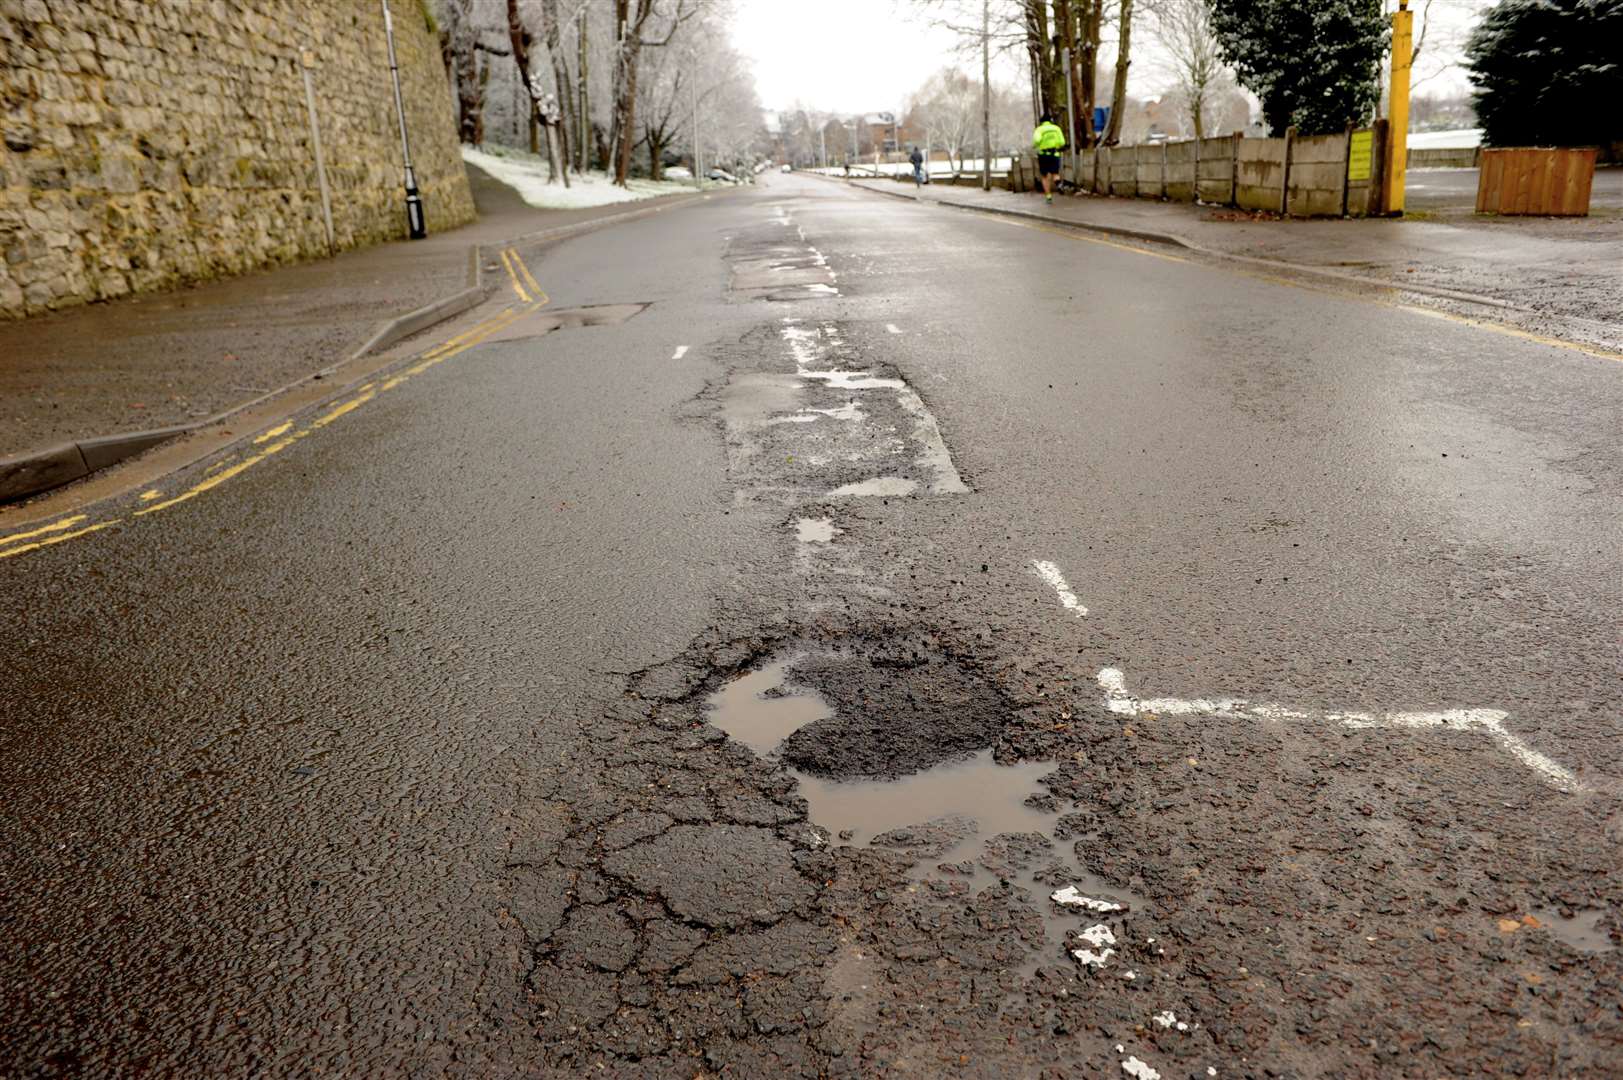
[(36, 471), (1178, 241)]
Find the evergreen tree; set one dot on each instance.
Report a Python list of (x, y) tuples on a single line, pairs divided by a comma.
[(1316, 66), (1549, 72)]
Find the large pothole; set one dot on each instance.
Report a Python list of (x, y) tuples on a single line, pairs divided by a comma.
[(891, 745)]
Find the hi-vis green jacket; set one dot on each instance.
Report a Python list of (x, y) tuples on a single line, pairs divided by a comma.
[(1048, 138)]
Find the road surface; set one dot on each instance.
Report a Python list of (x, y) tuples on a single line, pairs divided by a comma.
[(803, 633)]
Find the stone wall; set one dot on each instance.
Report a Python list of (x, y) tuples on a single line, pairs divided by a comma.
[(147, 143)]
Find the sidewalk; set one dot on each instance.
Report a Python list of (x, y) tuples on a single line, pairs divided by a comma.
[(1550, 269), (173, 358)]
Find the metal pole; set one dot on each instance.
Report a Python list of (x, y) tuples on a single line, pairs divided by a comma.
[(986, 95), (309, 60), (1397, 133), (414, 201)]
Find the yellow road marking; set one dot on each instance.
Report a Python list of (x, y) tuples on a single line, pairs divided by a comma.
[(347, 407), (1276, 279), (279, 429), (55, 526), (220, 472), (528, 277), (1509, 331), (518, 286), (58, 539)]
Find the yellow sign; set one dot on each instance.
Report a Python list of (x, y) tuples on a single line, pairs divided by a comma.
[(1360, 155)]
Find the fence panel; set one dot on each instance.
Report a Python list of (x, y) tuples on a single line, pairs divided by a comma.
[(1260, 171), (1181, 178), (1554, 182), (1215, 175), (1150, 158), (1124, 171), (1317, 174)]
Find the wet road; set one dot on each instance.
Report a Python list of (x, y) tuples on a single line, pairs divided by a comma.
[(1148, 640)]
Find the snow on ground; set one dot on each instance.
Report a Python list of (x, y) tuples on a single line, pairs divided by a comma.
[(1445, 140), (527, 175)]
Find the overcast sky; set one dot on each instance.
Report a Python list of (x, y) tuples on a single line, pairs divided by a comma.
[(868, 55)]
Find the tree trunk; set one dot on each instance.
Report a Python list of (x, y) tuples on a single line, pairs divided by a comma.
[(1038, 50), (1118, 94), (560, 77), (1092, 26)]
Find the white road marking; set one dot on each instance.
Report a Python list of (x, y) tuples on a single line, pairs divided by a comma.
[(1056, 580), (1093, 959), (1488, 721), (892, 328), (1138, 1070), (1169, 1019), (681, 351), (1098, 935), (1070, 895)]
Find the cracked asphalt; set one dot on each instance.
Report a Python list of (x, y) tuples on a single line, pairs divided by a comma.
[(410, 750)]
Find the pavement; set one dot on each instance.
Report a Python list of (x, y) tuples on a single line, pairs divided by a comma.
[(832, 636), (173, 358), (1558, 276)]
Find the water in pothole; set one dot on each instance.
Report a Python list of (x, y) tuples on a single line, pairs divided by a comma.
[(1581, 932), (815, 530), (878, 486), (969, 820)]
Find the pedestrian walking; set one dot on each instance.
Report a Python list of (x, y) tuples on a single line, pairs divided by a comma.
[(1048, 140), (918, 166)]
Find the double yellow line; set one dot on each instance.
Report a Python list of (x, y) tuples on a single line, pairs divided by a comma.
[(517, 270), (280, 437)]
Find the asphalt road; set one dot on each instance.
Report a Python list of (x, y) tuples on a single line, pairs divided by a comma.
[(1455, 189), (1151, 670)]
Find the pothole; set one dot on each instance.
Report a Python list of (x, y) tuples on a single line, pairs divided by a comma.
[(891, 748), (1581, 931), (538, 323)]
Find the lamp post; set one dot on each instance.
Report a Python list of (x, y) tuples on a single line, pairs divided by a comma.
[(414, 202)]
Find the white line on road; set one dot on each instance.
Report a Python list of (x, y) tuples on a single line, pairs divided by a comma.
[(892, 328), (1488, 721), (1056, 580), (681, 351)]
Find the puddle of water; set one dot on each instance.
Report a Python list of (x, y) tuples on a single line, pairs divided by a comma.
[(967, 818), (815, 530), (1582, 932), (879, 485), (992, 795), (742, 710)]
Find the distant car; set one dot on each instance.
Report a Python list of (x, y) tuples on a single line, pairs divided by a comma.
[(722, 175), (679, 172), (787, 169)]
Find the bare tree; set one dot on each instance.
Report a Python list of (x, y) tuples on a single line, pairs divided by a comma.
[(543, 106), (1124, 58), (638, 24), (1184, 29)]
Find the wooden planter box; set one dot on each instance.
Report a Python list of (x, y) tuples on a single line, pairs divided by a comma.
[(1546, 182)]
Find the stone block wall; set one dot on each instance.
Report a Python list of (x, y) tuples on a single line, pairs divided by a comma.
[(148, 143)]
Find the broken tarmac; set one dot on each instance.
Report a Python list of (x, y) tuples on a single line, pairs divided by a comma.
[(571, 706)]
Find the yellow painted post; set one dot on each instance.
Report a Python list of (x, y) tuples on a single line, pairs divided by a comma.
[(1397, 131)]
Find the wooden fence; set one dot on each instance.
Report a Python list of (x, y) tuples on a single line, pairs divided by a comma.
[(1529, 181)]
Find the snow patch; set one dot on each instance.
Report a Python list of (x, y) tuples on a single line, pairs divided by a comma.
[(527, 175)]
